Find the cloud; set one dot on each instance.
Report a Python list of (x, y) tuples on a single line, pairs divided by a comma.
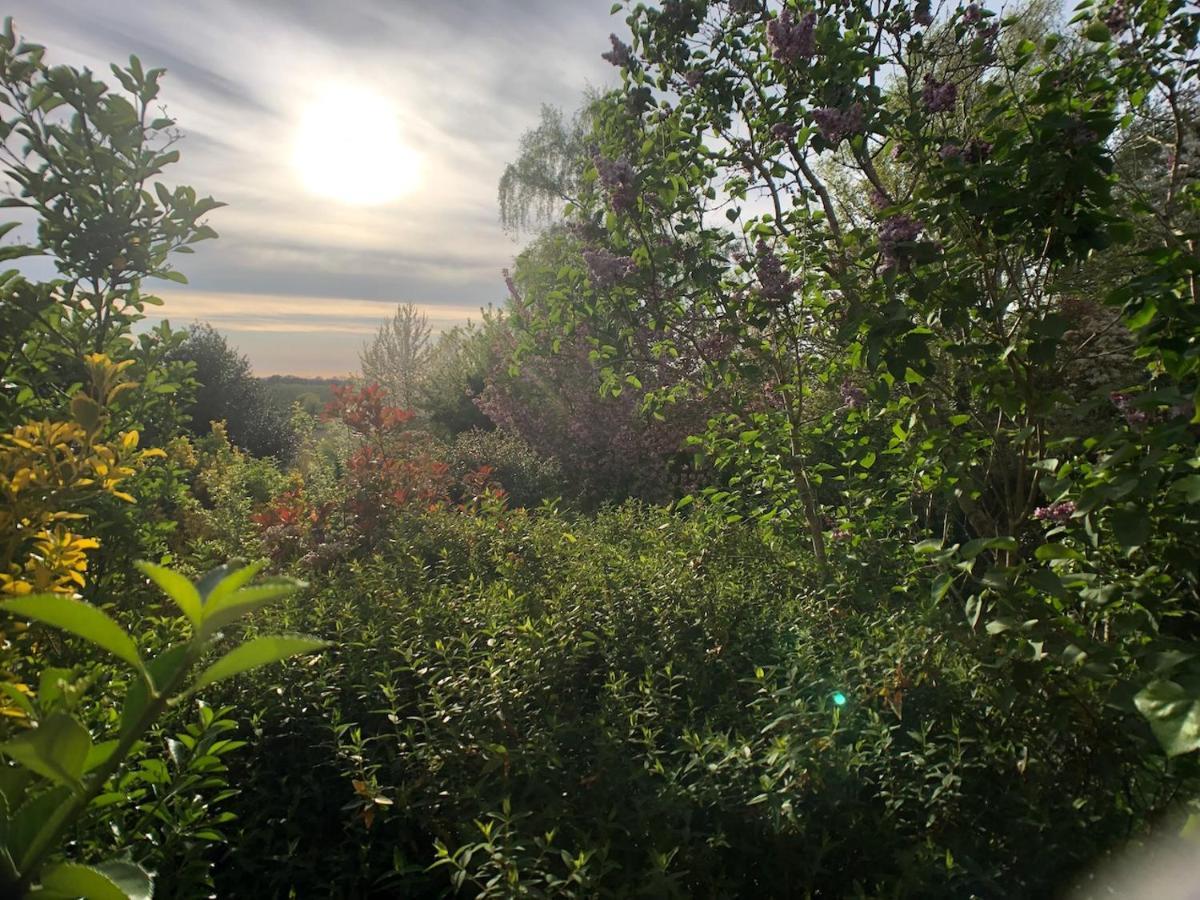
[(466, 77)]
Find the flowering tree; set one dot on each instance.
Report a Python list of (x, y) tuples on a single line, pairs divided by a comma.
[(888, 223)]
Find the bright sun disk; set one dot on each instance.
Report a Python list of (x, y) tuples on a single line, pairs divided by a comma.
[(349, 148)]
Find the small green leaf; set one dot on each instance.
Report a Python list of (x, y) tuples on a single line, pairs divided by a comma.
[(115, 880), (79, 618), (177, 587), (1097, 31), (257, 652), (57, 749), (1173, 714)]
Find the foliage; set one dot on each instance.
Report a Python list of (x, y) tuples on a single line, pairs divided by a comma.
[(397, 357), (56, 769), (527, 479), (228, 392), (456, 374)]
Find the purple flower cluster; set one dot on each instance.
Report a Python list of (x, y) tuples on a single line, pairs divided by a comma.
[(976, 151), (783, 131), (853, 397), (894, 232), (693, 77), (618, 179), (878, 200), (939, 96), (789, 40), (923, 14), (512, 287), (837, 124), (1117, 17), (840, 534), (1137, 418), (620, 55), (1055, 512), (606, 268), (972, 15), (776, 285)]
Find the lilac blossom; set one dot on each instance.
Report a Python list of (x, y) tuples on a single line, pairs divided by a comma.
[(790, 40), (693, 77), (1056, 512), (776, 285), (938, 96), (620, 55), (837, 124), (894, 232), (948, 152), (1117, 17), (606, 268), (853, 397), (783, 131), (972, 15), (1137, 418), (618, 177), (923, 14)]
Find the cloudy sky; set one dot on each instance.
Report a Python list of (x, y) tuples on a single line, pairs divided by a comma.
[(358, 144)]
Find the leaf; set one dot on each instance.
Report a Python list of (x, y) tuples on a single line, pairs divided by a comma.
[(57, 749), (1097, 31), (1131, 527), (114, 880), (1173, 714), (261, 651), (972, 549), (929, 545), (226, 608), (177, 587), (79, 618), (940, 586), (869, 460)]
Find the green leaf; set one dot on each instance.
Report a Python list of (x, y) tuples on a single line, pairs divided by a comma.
[(940, 586), (261, 651), (226, 608), (79, 618), (1097, 31), (869, 460), (227, 578), (57, 749), (1173, 714), (972, 549), (1131, 527), (115, 880), (929, 545), (177, 587)]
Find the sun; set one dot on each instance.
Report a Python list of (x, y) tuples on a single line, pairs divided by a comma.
[(349, 148)]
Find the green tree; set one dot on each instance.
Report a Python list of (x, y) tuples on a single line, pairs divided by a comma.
[(397, 357)]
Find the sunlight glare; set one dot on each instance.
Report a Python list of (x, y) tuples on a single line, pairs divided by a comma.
[(349, 148)]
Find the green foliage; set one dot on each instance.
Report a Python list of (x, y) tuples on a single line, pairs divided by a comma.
[(228, 392), (58, 772), (527, 479)]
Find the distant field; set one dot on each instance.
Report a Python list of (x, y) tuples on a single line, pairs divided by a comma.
[(311, 393)]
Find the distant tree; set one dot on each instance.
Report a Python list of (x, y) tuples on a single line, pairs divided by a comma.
[(547, 174), (456, 375), (396, 357), (229, 392)]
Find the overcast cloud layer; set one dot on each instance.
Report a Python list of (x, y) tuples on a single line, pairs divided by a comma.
[(296, 281)]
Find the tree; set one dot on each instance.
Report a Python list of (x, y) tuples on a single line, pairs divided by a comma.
[(228, 392), (396, 358), (547, 175)]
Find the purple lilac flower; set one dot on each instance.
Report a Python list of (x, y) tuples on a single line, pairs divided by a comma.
[(693, 77), (837, 124), (790, 40), (1137, 418), (949, 152), (972, 15), (1055, 512), (1117, 17), (977, 150), (620, 55), (618, 178), (840, 534), (606, 268), (511, 286), (939, 96), (776, 285), (878, 200), (894, 232), (782, 131), (853, 396), (923, 14)]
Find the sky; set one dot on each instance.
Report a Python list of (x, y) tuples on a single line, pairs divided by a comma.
[(358, 145)]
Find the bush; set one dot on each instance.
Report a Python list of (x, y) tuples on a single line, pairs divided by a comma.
[(228, 392), (526, 478)]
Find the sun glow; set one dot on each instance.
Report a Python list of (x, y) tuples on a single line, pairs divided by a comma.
[(349, 148)]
